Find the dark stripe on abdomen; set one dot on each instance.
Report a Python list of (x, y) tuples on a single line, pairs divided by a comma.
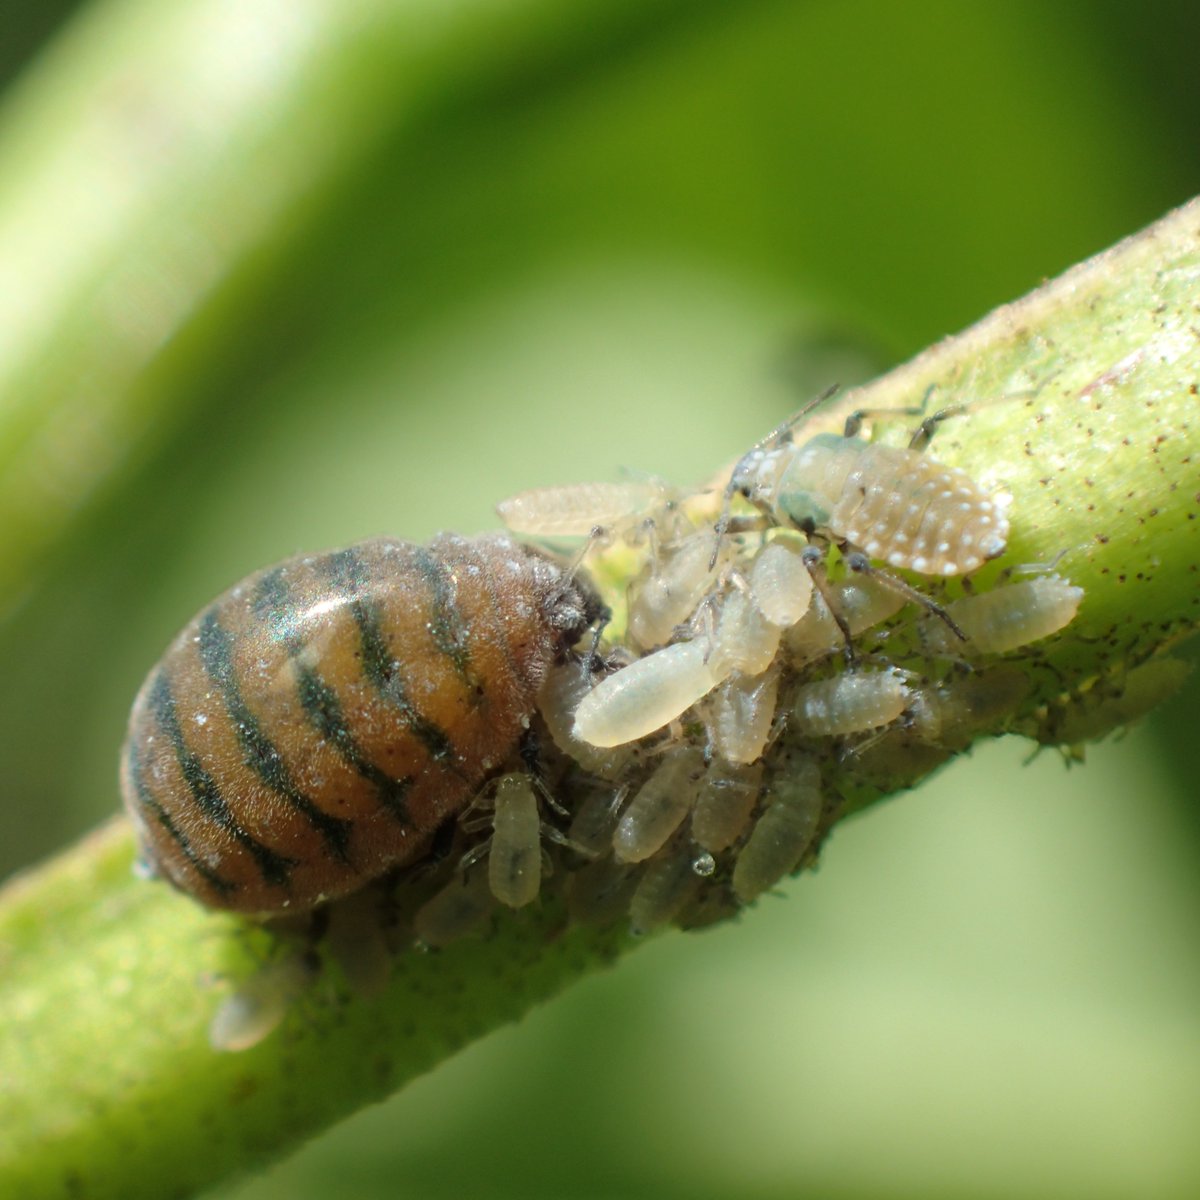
[(275, 868), (379, 666), (447, 628), (146, 799), (272, 604), (259, 753), (325, 713)]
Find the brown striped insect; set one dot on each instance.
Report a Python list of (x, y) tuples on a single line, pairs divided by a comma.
[(313, 727)]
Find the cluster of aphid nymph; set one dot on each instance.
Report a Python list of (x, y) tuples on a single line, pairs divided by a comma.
[(396, 741)]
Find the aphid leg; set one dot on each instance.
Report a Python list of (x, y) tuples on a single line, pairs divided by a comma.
[(722, 525), (813, 557), (1038, 568), (550, 832), (475, 825), (924, 432), (854, 421), (544, 794), (858, 562), (703, 622), (561, 839)]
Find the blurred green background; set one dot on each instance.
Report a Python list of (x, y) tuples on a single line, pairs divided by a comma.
[(600, 237)]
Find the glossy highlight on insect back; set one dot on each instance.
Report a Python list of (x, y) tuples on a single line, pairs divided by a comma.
[(313, 727)]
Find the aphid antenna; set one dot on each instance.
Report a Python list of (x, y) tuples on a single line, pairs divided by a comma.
[(786, 429), (672, 738), (781, 433), (858, 562), (777, 729), (482, 800), (599, 537), (619, 796), (703, 622)]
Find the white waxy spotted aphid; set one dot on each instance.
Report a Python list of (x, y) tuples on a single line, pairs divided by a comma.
[(782, 834), (575, 510), (852, 702), (743, 711), (647, 694), (672, 588), (658, 807), (898, 506), (515, 855), (745, 640), (666, 885), (727, 795), (1005, 618)]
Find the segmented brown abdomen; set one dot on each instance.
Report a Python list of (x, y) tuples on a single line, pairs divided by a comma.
[(311, 728), (900, 506)]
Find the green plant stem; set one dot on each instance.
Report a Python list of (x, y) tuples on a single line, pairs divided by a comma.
[(109, 1086)]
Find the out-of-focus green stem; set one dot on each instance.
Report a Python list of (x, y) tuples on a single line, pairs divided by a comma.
[(108, 1086), (153, 164), (106, 983)]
